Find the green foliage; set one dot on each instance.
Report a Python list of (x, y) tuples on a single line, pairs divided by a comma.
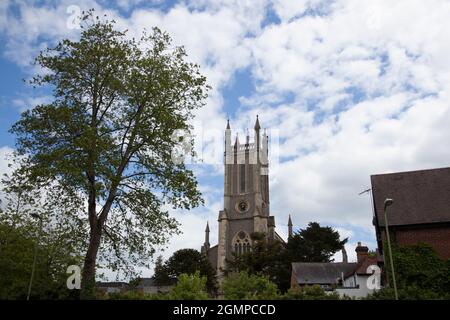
[(161, 273), (242, 286), (268, 258), (310, 293), (18, 241), (421, 267), (407, 293), (135, 295), (107, 139), (420, 274), (189, 287), (188, 261), (314, 244)]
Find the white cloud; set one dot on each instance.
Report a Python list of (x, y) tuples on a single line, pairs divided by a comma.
[(354, 89), (5, 154), (392, 64), (31, 102)]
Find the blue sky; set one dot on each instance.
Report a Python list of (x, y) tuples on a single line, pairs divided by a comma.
[(349, 89)]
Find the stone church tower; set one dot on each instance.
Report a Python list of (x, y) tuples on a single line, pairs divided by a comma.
[(246, 198)]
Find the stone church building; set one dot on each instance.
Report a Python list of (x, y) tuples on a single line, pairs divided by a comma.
[(246, 206)]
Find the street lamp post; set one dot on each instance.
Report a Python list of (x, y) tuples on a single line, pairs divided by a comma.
[(34, 215), (387, 203)]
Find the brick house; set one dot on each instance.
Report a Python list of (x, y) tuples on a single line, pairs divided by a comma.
[(421, 209)]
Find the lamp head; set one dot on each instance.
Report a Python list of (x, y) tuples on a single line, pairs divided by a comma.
[(388, 202), (35, 215)]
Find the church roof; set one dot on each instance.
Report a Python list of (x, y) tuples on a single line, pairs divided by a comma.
[(279, 238), (321, 273), (419, 196)]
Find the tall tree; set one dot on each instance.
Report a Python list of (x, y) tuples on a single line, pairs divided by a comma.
[(314, 244), (107, 137)]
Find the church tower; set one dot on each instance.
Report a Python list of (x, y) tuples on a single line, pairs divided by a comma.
[(246, 195)]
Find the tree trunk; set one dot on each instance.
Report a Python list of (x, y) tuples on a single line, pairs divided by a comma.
[(90, 260), (88, 274)]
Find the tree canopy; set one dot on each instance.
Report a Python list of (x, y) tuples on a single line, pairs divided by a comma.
[(314, 244), (107, 138)]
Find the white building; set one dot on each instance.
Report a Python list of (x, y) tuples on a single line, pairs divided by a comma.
[(354, 279)]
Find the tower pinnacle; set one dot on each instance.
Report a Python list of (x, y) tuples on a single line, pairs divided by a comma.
[(257, 126), (290, 227)]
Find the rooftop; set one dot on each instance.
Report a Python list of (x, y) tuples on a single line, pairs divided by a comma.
[(322, 273), (419, 196)]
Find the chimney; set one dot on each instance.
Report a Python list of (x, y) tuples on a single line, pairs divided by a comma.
[(362, 252)]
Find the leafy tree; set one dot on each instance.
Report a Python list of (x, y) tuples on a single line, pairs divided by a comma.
[(19, 238), (185, 261), (189, 287), (242, 286), (314, 244), (107, 138), (161, 274)]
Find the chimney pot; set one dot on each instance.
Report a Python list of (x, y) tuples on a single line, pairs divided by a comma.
[(362, 252)]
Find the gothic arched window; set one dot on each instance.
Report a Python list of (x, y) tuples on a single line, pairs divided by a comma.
[(241, 243)]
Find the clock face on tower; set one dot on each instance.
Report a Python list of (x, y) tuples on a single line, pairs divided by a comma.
[(242, 206)]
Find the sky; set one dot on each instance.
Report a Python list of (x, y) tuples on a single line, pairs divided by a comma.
[(345, 88)]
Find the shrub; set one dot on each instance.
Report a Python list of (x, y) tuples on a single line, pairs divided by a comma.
[(189, 287), (407, 293), (242, 286)]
